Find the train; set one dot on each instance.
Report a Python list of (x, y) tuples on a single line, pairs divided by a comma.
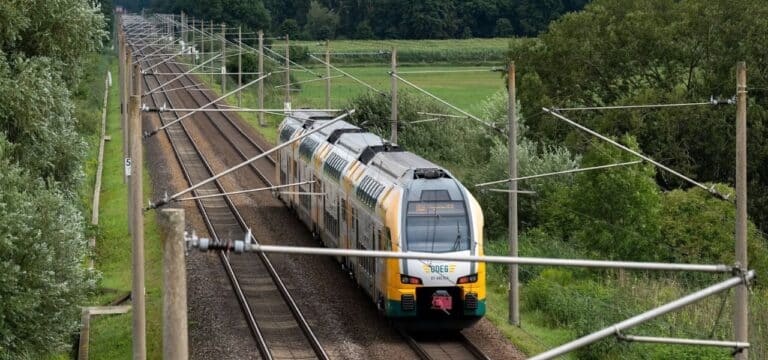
[(356, 190)]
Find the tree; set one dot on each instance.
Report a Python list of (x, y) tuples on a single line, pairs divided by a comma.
[(364, 31), (42, 248), (289, 27), (697, 227), (42, 244), (613, 212), (36, 116), (64, 31), (429, 19), (321, 22), (629, 52), (503, 27)]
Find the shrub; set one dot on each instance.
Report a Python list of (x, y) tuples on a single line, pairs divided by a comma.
[(42, 250)]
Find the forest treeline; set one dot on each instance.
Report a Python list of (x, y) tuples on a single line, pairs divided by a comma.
[(619, 52), (375, 19), (46, 115)]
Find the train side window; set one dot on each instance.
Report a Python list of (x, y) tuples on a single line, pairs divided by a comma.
[(387, 239)]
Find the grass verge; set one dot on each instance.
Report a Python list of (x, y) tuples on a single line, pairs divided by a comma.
[(111, 334)]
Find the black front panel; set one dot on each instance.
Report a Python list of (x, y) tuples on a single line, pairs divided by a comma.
[(424, 303)]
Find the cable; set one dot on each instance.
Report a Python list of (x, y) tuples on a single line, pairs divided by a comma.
[(711, 190), (617, 107)]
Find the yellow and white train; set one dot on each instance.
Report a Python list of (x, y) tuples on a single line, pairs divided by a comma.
[(368, 194)]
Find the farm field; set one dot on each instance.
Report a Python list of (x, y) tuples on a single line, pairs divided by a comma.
[(463, 89), (407, 45), (467, 90)]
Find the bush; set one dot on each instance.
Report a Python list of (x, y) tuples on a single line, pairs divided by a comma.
[(435, 141), (586, 305), (42, 250), (697, 227), (532, 158)]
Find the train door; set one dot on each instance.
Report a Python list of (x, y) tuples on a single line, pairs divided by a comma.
[(351, 244), (318, 203), (293, 179), (331, 216), (379, 264), (343, 234), (365, 236)]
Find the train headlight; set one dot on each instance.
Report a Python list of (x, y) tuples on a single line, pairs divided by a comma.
[(405, 279), (467, 279)]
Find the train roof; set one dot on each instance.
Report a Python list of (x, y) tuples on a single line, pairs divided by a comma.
[(368, 148)]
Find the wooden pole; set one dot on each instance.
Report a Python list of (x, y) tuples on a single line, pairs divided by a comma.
[(327, 74), (393, 82), (741, 317), (137, 219), (223, 59), (240, 65), (175, 345), (514, 286), (261, 73), (287, 72)]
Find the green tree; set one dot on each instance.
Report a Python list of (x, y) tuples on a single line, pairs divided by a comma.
[(321, 22), (36, 115), (41, 252), (64, 31), (630, 52), (289, 27), (613, 212), (503, 27), (364, 31), (697, 227)]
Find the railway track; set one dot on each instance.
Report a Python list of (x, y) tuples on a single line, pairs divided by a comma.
[(278, 327), (453, 346), (257, 290)]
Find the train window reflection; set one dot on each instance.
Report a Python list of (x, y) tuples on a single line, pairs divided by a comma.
[(437, 226)]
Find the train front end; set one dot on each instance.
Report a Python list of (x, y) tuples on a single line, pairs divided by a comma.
[(437, 216)]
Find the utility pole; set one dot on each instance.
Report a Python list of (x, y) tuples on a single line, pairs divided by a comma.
[(393, 82), (175, 341), (123, 105), (183, 34), (240, 65), (212, 43), (514, 286), (223, 58), (287, 73), (261, 73), (137, 220), (741, 317), (202, 41), (136, 89), (194, 44), (327, 74)]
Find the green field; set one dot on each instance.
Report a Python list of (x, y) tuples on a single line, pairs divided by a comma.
[(466, 90), (463, 89), (407, 45), (452, 51)]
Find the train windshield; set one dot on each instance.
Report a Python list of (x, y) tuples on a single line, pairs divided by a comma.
[(437, 226)]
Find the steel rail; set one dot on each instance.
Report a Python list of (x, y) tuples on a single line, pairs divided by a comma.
[(293, 307), (242, 300), (301, 321), (459, 339)]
